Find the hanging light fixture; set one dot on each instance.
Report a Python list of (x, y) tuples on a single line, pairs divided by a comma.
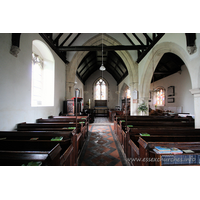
[(102, 68)]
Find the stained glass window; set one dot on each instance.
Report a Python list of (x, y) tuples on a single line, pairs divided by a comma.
[(128, 93), (160, 97), (100, 90)]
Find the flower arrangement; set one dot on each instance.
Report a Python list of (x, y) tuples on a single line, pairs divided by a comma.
[(143, 107)]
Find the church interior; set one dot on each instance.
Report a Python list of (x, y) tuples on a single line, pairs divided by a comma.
[(104, 95), (100, 99)]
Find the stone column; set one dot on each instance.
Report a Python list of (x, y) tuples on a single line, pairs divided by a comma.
[(70, 91), (196, 94), (70, 82), (134, 101)]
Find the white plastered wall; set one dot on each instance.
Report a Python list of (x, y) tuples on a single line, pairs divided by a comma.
[(15, 83)]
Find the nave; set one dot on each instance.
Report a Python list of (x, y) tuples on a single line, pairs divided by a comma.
[(102, 148)]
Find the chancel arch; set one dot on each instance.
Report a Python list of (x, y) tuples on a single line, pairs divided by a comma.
[(71, 68)]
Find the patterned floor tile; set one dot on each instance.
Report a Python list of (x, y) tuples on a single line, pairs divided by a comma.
[(101, 148)]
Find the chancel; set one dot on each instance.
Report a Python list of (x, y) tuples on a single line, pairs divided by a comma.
[(99, 99)]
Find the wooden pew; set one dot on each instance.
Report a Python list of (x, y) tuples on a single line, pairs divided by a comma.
[(131, 137), (56, 127), (131, 119), (121, 129), (49, 127), (82, 117), (154, 123), (113, 114), (148, 143), (62, 120), (120, 123), (68, 143), (14, 153), (86, 118), (148, 118)]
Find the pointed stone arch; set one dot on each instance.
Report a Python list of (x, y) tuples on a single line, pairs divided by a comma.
[(95, 41), (152, 61), (123, 89)]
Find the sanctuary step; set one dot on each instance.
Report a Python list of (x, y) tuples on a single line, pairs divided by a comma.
[(101, 120)]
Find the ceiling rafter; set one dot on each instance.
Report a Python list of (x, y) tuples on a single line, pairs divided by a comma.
[(123, 77), (159, 36), (91, 71), (74, 39), (166, 72), (88, 69), (89, 57), (65, 40), (50, 42), (57, 39), (114, 64), (139, 52), (108, 64), (111, 57), (129, 39), (164, 65), (148, 39), (138, 39), (92, 62), (106, 48)]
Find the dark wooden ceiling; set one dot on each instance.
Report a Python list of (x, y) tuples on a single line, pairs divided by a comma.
[(168, 65), (111, 60), (62, 43)]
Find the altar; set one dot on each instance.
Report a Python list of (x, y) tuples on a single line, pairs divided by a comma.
[(101, 109)]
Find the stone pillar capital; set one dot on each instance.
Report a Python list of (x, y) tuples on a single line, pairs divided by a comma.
[(134, 84), (195, 91), (72, 84)]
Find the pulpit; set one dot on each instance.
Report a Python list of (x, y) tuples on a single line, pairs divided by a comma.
[(69, 106)]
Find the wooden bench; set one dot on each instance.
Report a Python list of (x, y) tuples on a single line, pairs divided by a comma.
[(148, 143), (153, 123), (113, 114), (121, 128), (14, 153), (49, 127), (56, 127), (82, 118), (68, 143), (131, 137), (150, 118), (70, 121)]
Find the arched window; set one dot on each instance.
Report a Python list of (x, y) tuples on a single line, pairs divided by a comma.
[(160, 96), (128, 93), (100, 90), (37, 83), (43, 66)]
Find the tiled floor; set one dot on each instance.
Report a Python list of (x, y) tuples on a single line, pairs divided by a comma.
[(102, 148)]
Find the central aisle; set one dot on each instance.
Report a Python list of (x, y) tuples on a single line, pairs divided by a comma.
[(102, 148)]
